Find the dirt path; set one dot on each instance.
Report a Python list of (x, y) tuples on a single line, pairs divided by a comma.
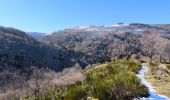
[(159, 80), (152, 92)]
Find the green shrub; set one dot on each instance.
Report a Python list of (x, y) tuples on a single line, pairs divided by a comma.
[(76, 92), (116, 81)]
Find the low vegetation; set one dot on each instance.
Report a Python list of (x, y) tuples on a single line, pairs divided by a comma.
[(116, 80)]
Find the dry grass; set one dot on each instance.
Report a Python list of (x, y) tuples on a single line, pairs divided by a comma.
[(68, 76), (50, 81), (160, 80)]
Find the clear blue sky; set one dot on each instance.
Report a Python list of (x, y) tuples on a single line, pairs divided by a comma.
[(52, 15)]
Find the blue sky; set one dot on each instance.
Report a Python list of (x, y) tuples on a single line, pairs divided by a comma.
[(53, 15)]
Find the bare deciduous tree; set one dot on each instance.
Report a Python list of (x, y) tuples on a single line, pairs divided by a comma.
[(152, 44), (37, 82)]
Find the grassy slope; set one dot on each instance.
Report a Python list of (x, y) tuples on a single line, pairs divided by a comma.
[(115, 80)]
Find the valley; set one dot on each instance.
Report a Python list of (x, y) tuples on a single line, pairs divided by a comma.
[(84, 62), (84, 50)]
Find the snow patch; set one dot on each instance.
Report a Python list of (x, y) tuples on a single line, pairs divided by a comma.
[(83, 27), (119, 25), (47, 33), (139, 30)]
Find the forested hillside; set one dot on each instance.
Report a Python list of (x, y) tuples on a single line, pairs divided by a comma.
[(114, 42)]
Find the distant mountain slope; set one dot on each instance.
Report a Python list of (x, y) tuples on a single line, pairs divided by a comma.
[(18, 50), (37, 35), (84, 45), (163, 26), (113, 42)]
